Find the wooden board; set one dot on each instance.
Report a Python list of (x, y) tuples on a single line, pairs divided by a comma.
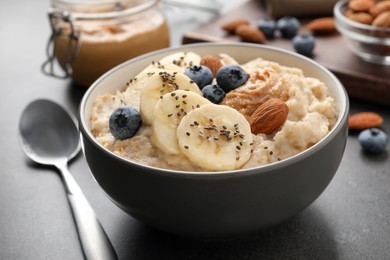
[(363, 80)]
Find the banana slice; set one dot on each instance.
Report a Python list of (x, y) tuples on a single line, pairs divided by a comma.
[(168, 113), (152, 69), (215, 137), (227, 59), (157, 66), (157, 85), (182, 59)]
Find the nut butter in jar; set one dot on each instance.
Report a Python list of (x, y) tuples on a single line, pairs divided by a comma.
[(91, 37)]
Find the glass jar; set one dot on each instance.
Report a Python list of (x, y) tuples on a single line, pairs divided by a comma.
[(91, 37)]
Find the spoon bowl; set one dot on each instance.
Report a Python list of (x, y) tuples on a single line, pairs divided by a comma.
[(49, 136), (48, 132)]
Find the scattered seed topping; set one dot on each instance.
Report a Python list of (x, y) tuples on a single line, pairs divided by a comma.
[(169, 115), (271, 152), (186, 147), (188, 134)]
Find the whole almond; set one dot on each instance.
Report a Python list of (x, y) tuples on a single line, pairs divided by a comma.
[(382, 20), (322, 25), (379, 8), (248, 33), (212, 62), (364, 120), (361, 5), (268, 117), (359, 17), (232, 25)]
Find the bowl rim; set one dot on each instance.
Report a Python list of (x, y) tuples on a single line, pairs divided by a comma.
[(338, 15), (342, 117)]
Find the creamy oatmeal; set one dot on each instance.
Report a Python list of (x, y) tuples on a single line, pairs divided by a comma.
[(311, 115)]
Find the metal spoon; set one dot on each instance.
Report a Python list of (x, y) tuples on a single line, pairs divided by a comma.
[(49, 136)]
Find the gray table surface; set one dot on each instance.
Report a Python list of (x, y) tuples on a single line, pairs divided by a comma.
[(350, 220)]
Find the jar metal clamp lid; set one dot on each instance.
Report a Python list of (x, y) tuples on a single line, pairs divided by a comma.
[(73, 39), (71, 13)]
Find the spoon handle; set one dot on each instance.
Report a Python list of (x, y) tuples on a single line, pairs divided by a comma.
[(94, 240)]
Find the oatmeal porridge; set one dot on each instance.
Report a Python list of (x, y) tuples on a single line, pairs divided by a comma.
[(188, 125)]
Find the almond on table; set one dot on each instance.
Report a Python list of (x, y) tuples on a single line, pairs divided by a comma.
[(322, 25), (248, 33), (364, 120), (231, 25)]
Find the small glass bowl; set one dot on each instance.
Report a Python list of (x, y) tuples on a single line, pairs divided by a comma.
[(371, 43)]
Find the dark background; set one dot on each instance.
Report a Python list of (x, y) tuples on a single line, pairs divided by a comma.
[(350, 220)]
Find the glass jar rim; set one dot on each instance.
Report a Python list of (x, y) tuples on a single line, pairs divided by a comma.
[(63, 4)]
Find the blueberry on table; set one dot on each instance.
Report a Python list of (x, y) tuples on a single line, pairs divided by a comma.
[(373, 140), (230, 77), (213, 93), (201, 75), (304, 44), (288, 26), (268, 27), (124, 122)]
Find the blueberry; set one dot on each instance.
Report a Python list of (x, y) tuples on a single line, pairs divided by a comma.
[(213, 93), (201, 75), (124, 122), (304, 44), (373, 140), (230, 77), (268, 27), (288, 26)]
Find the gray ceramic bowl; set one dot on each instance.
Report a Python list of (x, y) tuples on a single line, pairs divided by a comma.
[(216, 204)]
